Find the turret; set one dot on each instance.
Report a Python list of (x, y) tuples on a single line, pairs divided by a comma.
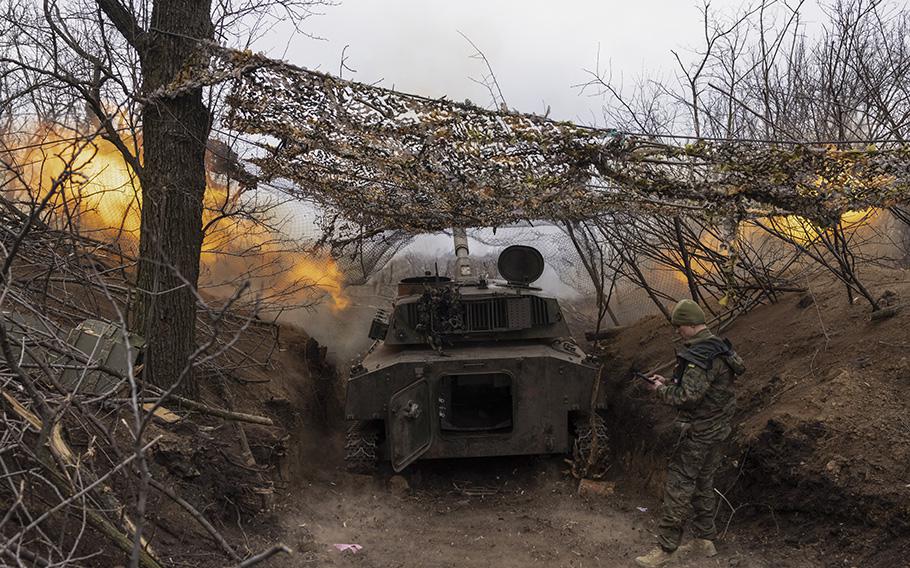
[(433, 309)]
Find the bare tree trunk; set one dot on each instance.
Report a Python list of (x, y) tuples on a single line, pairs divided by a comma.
[(687, 265), (901, 215), (175, 131)]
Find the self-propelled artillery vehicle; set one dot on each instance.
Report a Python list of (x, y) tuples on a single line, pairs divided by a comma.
[(467, 367)]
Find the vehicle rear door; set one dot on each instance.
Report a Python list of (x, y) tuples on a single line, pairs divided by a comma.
[(410, 426)]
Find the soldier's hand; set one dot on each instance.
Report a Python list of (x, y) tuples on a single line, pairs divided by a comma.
[(656, 381)]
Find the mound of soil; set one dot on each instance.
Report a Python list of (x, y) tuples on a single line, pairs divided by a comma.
[(823, 430)]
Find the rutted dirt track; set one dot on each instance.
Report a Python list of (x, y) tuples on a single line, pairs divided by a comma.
[(488, 513)]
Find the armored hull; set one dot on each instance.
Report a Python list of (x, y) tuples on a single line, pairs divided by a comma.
[(485, 400), (466, 369)]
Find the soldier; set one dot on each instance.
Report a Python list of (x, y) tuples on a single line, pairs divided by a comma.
[(702, 390)]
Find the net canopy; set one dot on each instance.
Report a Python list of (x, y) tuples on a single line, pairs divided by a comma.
[(380, 160)]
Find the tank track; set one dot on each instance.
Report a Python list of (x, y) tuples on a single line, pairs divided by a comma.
[(590, 446), (361, 448)]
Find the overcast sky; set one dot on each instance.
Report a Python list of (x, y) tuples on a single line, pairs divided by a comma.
[(538, 48)]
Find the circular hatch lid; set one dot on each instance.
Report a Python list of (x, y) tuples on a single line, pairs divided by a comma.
[(520, 264)]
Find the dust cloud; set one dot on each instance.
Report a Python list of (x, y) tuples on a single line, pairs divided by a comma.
[(342, 331)]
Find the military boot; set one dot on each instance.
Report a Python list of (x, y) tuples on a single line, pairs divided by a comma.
[(655, 558), (700, 547)]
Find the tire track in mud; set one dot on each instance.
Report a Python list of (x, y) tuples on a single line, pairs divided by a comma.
[(507, 513)]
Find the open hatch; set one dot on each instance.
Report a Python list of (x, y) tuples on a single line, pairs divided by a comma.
[(477, 402)]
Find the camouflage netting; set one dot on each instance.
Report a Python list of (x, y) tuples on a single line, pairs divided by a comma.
[(379, 160)]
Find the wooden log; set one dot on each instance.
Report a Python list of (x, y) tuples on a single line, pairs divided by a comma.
[(884, 313)]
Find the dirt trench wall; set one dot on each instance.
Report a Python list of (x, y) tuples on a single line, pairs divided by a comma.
[(779, 469), (822, 429)]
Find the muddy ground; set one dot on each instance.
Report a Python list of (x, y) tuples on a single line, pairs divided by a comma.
[(504, 512)]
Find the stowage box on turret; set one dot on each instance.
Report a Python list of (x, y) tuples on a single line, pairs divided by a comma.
[(465, 367)]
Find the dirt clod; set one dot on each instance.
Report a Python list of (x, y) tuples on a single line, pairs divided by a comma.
[(597, 489), (398, 485)]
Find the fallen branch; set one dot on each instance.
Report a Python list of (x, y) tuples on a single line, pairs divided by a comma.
[(211, 410), (885, 313), (20, 553), (222, 413), (122, 541), (64, 455), (263, 556), (80, 493), (199, 518)]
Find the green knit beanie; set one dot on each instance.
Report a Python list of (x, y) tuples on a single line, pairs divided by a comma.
[(687, 312)]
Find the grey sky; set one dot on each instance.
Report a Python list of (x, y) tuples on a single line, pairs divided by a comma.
[(538, 48)]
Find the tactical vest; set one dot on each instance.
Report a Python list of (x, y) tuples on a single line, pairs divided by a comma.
[(702, 355)]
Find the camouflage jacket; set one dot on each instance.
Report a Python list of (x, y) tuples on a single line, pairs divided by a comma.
[(702, 389)]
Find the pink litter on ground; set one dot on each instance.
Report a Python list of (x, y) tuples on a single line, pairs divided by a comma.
[(353, 548)]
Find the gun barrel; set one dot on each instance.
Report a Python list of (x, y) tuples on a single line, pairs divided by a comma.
[(462, 258)]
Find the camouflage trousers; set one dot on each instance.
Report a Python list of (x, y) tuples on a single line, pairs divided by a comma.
[(690, 487)]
